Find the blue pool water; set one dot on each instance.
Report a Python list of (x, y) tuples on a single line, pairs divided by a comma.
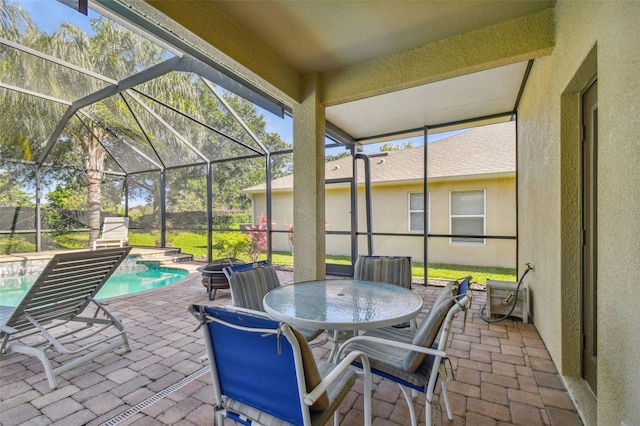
[(13, 289)]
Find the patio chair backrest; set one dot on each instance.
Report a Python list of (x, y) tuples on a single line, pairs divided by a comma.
[(426, 333), (254, 362), (388, 269), (463, 287), (250, 282), (115, 228)]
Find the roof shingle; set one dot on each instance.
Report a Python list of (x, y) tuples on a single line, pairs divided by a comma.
[(475, 153)]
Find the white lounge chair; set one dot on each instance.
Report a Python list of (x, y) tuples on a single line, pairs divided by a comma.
[(115, 232), (49, 315)]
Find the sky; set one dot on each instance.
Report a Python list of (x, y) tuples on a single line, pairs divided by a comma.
[(48, 14)]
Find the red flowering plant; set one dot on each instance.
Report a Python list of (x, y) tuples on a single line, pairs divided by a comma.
[(258, 236), (290, 229)]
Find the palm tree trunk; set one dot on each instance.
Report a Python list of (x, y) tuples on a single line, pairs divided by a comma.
[(94, 156)]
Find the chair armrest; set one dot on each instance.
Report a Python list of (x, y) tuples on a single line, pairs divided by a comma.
[(242, 310), (311, 397), (5, 314), (7, 329), (408, 346)]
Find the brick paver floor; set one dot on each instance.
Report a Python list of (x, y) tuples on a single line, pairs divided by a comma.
[(503, 373)]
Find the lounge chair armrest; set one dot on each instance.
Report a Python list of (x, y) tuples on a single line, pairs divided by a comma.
[(7, 329), (408, 346), (311, 397), (5, 315)]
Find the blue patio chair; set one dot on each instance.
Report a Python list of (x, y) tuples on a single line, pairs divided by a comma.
[(249, 284), (415, 360), (264, 372)]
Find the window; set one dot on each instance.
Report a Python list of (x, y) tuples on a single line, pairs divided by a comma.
[(468, 216), (416, 212)]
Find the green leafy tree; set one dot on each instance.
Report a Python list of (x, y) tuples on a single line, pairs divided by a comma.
[(388, 146), (334, 157), (113, 51), (11, 193), (230, 177), (80, 151)]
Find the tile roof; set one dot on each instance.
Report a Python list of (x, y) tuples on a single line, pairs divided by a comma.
[(475, 153)]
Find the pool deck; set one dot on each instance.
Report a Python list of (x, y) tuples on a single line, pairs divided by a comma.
[(167, 255), (503, 373)]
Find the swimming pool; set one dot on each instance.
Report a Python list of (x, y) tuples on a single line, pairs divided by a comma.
[(128, 281)]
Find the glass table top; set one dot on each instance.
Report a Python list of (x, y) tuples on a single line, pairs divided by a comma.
[(342, 304)]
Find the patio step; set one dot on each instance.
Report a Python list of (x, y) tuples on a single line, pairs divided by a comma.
[(166, 255)]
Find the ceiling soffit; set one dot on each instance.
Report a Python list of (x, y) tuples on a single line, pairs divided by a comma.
[(377, 56), (320, 36), (481, 94)]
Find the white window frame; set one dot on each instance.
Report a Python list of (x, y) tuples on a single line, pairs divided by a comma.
[(410, 211), (474, 242)]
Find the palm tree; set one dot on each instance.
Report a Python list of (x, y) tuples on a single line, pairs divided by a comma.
[(116, 53), (111, 51)]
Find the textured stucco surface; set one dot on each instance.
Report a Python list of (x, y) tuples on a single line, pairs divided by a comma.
[(502, 44), (549, 195), (308, 186)]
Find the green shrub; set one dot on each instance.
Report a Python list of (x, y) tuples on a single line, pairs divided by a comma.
[(67, 240), (15, 244), (231, 244), (227, 218), (141, 238)]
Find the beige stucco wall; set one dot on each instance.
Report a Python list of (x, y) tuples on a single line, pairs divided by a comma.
[(390, 215), (590, 37)]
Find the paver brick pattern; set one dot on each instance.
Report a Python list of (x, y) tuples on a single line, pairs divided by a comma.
[(501, 373)]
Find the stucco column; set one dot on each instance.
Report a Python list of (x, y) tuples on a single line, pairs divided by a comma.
[(308, 182)]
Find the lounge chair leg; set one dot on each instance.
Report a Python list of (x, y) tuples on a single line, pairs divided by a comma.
[(44, 359)]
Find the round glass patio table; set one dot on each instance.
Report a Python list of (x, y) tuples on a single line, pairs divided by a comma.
[(342, 304)]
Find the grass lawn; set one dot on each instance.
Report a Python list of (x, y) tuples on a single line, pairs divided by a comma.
[(196, 244), (443, 270)]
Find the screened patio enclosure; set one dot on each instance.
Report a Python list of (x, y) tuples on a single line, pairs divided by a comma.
[(138, 129)]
